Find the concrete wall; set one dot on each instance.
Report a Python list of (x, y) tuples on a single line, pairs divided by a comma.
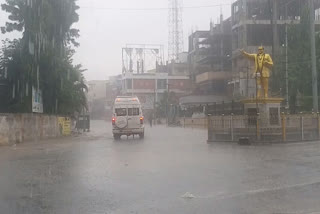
[(18, 128), (197, 123)]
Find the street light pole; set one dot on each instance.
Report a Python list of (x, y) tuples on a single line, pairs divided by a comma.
[(287, 75), (286, 46), (313, 58)]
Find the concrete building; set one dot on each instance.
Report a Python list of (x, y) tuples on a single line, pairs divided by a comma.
[(254, 24), (150, 87), (101, 95), (97, 89), (209, 63), (97, 98), (114, 87)]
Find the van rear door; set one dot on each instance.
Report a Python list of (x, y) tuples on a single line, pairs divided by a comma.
[(121, 121), (134, 115)]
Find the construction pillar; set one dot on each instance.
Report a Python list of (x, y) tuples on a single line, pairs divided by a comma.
[(244, 18), (275, 29)]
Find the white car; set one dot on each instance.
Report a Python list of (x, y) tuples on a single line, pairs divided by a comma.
[(127, 117)]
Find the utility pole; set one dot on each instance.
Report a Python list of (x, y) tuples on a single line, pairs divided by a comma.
[(287, 75), (313, 58), (275, 36)]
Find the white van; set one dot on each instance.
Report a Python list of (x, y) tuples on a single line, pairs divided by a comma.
[(127, 117)]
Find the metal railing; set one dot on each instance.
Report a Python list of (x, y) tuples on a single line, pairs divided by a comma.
[(275, 128)]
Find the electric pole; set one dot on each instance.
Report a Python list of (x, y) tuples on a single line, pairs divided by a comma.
[(313, 58), (287, 75)]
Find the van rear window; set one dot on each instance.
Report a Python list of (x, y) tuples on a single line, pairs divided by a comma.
[(121, 111), (133, 111)]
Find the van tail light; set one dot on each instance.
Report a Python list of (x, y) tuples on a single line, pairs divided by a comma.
[(113, 121), (141, 120)]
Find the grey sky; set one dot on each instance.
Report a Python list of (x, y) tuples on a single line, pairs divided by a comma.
[(104, 32)]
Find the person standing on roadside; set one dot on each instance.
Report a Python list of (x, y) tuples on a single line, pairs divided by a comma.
[(151, 119)]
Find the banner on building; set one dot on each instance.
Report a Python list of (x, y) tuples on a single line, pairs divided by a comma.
[(37, 102)]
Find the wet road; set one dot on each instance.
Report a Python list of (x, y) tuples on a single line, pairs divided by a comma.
[(95, 174)]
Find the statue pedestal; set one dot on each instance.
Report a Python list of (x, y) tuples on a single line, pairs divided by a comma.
[(268, 109)]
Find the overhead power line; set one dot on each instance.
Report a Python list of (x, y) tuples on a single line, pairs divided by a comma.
[(152, 9)]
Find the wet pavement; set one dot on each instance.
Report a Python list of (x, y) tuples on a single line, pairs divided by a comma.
[(92, 173)]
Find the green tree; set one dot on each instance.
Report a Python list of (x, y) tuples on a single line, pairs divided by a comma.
[(165, 102), (43, 56), (299, 64), (12, 63)]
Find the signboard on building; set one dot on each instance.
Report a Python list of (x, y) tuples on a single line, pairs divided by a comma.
[(37, 102), (64, 125)]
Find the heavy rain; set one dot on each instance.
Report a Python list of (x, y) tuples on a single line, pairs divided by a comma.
[(172, 106)]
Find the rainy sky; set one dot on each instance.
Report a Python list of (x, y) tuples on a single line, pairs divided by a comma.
[(107, 26)]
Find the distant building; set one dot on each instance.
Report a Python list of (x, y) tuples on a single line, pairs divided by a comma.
[(210, 59), (97, 98), (113, 89), (97, 89), (210, 65), (150, 87)]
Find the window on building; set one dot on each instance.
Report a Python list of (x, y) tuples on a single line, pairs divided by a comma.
[(133, 111), (258, 10), (4, 73), (235, 8), (259, 35), (162, 84), (317, 14), (129, 84)]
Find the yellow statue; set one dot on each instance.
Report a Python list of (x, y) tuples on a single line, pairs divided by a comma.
[(263, 64)]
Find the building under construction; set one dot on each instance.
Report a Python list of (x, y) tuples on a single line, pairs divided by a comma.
[(210, 59), (256, 23), (218, 71)]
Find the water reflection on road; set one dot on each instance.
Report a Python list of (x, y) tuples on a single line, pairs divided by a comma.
[(92, 173)]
